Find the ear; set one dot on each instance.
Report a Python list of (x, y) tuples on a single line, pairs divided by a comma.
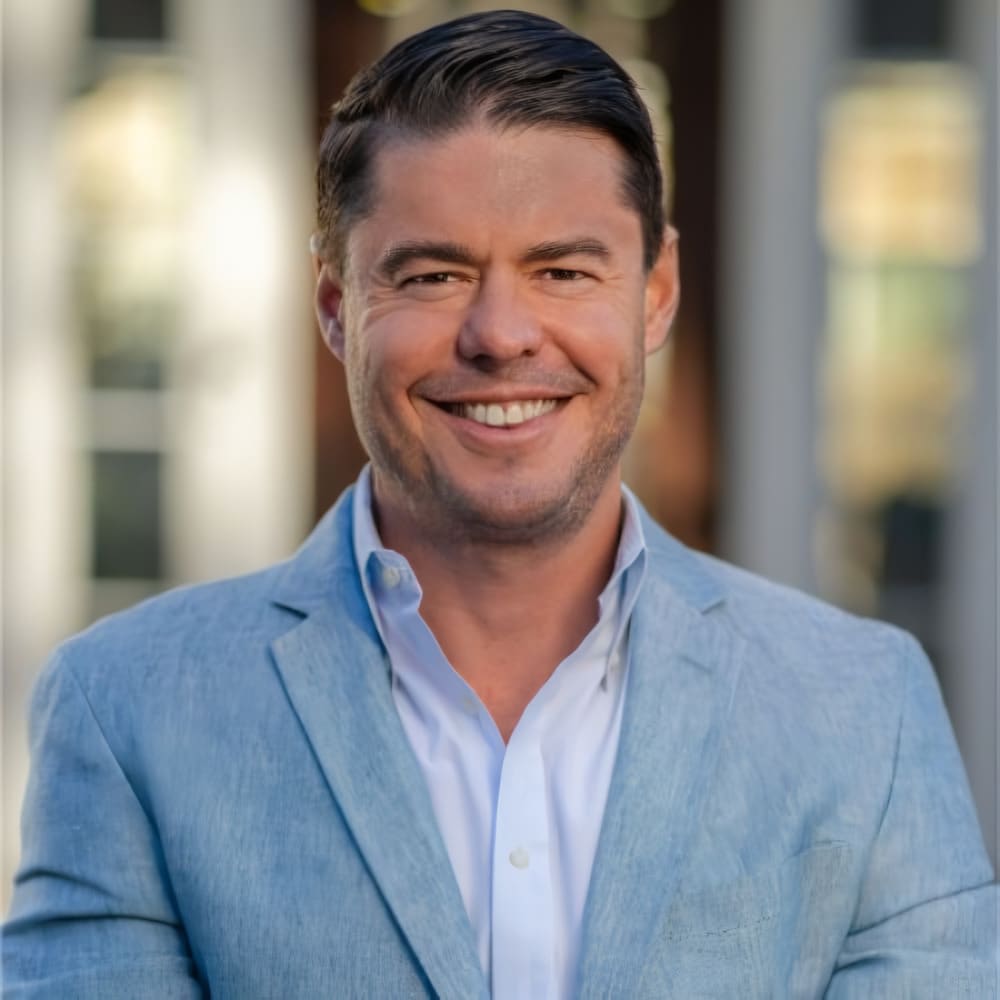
[(663, 292), (329, 305)]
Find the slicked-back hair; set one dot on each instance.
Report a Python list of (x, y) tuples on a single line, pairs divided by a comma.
[(505, 68)]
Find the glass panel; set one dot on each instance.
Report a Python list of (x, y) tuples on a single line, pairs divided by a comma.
[(900, 221), (128, 20), (891, 29), (127, 154), (126, 506), (127, 147)]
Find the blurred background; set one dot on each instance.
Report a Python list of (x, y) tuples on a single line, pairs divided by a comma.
[(826, 413)]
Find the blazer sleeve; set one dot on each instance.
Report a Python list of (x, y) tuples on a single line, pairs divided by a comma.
[(92, 912), (926, 923)]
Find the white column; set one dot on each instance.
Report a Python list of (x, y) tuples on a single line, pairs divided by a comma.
[(44, 484), (239, 490), (778, 61), (969, 674)]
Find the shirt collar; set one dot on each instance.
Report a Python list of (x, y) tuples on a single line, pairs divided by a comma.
[(618, 597)]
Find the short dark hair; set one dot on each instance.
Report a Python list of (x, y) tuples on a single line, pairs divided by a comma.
[(508, 67)]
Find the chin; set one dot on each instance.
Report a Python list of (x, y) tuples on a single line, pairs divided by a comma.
[(514, 514)]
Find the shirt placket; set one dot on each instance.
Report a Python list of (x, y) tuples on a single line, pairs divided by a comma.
[(522, 905)]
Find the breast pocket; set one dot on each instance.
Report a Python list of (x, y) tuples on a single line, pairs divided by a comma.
[(774, 934)]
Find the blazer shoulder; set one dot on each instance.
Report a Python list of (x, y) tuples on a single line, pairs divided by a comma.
[(212, 622), (221, 621), (756, 599), (232, 599), (762, 608), (786, 631)]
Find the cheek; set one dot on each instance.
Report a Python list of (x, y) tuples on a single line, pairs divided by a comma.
[(384, 360), (604, 341), (413, 343), (362, 370)]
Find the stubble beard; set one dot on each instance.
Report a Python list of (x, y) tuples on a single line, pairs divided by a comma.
[(521, 515)]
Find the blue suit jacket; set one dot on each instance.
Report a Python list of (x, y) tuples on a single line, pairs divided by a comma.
[(222, 799)]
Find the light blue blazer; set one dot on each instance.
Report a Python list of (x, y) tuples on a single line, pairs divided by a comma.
[(222, 801)]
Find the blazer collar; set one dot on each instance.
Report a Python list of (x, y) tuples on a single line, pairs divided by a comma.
[(310, 578), (684, 665), (305, 582), (337, 678)]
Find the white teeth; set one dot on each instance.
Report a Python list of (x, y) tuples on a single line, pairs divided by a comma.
[(506, 415)]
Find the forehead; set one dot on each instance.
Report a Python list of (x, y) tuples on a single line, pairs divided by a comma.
[(485, 185)]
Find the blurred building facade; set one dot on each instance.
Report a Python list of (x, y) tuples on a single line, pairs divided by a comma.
[(826, 413)]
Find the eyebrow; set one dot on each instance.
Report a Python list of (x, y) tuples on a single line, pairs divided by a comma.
[(557, 249), (401, 254)]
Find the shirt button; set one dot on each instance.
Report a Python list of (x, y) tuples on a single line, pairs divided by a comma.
[(392, 576), (519, 857)]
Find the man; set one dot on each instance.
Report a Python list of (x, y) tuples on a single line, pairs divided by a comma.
[(491, 731)]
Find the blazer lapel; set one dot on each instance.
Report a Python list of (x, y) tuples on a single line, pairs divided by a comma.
[(682, 672), (337, 678)]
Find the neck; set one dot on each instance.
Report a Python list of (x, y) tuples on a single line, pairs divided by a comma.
[(506, 616)]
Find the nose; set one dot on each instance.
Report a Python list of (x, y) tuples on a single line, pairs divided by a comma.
[(499, 325)]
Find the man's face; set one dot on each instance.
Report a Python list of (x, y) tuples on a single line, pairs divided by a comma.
[(493, 318)]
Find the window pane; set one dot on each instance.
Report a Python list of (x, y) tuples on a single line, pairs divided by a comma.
[(126, 506)]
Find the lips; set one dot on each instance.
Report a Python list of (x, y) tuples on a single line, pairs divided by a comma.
[(508, 414)]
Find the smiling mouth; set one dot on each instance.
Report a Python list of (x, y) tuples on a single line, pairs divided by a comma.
[(504, 414)]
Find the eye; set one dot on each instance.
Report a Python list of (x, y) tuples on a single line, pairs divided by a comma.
[(434, 278), (563, 274), (433, 286)]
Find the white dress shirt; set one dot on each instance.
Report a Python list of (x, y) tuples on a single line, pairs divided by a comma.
[(520, 822)]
